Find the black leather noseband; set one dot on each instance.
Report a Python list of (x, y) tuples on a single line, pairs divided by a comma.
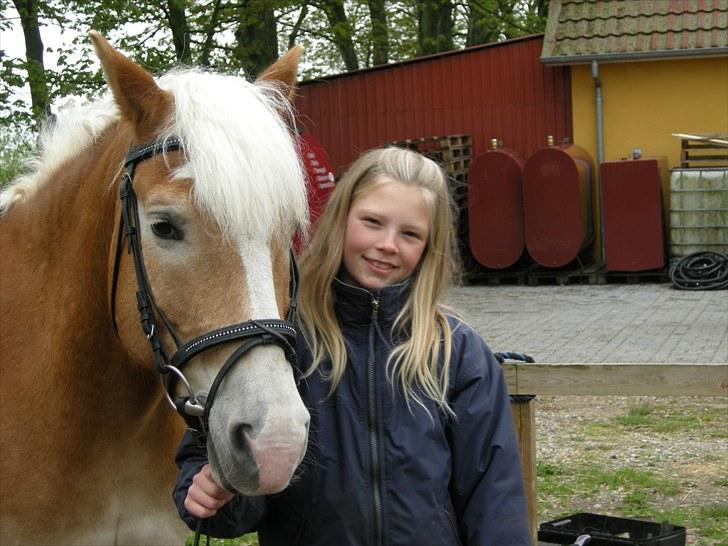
[(195, 410)]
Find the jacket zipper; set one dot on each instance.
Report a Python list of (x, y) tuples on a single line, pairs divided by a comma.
[(373, 439)]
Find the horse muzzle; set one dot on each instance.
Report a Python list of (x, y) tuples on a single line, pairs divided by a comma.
[(258, 427)]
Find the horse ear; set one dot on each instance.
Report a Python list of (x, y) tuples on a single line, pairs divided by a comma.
[(140, 100), (284, 70)]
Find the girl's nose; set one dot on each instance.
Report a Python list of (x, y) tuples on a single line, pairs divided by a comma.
[(387, 243)]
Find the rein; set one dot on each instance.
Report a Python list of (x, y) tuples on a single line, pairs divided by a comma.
[(195, 410)]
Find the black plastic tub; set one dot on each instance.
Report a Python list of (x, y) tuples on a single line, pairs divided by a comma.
[(611, 531)]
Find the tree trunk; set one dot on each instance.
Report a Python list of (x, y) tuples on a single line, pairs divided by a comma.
[(256, 37), (380, 36), (180, 30), (435, 26), (28, 11), (210, 35), (341, 30), (293, 35)]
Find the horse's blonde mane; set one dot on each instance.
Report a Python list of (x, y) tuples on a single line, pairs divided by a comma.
[(74, 128), (241, 154)]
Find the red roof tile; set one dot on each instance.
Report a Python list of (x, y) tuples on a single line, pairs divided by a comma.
[(582, 30)]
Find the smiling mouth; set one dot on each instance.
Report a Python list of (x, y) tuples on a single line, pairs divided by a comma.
[(380, 266)]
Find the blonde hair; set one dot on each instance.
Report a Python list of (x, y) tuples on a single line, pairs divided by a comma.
[(422, 357)]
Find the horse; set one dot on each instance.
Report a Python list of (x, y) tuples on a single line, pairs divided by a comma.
[(151, 242)]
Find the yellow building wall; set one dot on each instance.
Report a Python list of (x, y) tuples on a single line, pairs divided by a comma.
[(645, 102)]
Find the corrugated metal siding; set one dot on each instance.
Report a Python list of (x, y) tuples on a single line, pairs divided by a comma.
[(494, 91)]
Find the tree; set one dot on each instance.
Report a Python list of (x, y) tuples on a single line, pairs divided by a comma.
[(244, 35), (435, 26), (341, 30), (380, 34), (495, 20), (256, 38), (28, 11), (177, 19)]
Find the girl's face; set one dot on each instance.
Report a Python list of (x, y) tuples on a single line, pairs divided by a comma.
[(386, 234)]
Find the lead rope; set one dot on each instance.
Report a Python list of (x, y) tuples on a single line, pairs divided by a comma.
[(198, 532)]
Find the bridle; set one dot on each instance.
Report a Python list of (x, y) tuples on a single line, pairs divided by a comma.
[(193, 409)]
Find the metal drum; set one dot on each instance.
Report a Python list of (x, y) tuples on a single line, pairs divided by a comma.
[(557, 197), (495, 207)]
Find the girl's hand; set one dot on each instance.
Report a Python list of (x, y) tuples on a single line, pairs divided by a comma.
[(205, 497)]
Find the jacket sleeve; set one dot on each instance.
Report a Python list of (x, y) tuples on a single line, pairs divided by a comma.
[(487, 484), (241, 515)]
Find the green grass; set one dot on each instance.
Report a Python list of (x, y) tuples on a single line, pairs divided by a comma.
[(250, 539), (597, 483), (663, 418)]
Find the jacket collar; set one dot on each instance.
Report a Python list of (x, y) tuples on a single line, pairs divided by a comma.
[(354, 304)]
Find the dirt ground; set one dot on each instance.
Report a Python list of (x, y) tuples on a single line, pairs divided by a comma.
[(695, 456)]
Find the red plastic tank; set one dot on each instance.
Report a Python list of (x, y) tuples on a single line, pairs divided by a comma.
[(495, 207), (633, 217), (557, 196)]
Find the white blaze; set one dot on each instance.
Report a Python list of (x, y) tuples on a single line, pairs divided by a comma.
[(259, 276)]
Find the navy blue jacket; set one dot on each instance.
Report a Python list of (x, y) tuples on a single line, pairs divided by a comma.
[(378, 472)]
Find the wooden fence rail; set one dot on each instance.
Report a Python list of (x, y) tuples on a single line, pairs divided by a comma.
[(630, 379)]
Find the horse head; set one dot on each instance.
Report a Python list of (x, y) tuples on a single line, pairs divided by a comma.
[(212, 193)]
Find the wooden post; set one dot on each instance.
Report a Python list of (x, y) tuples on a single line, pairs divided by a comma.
[(604, 379), (524, 420)]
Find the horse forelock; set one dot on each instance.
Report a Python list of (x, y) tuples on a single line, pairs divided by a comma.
[(241, 156), (61, 138)]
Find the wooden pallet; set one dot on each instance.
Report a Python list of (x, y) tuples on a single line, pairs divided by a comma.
[(450, 141), (425, 144), (456, 153), (539, 275), (455, 166), (703, 150), (654, 276), (497, 277)]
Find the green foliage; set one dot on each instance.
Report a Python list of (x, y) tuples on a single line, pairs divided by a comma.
[(219, 35), (14, 149)]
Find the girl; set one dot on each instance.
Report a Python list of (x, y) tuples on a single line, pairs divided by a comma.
[(412, 441)]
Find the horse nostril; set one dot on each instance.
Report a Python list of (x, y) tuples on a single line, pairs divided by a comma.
[(240, 438)]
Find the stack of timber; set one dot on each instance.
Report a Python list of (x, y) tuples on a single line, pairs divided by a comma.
[(703, 150), (452, 152)]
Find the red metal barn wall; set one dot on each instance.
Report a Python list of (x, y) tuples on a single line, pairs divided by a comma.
[(491, 91)]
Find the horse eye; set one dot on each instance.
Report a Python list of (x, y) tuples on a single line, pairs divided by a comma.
[(165, 230)]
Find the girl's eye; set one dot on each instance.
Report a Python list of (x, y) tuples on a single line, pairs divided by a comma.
[(370, 220), (412, 235), (166, 230)]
